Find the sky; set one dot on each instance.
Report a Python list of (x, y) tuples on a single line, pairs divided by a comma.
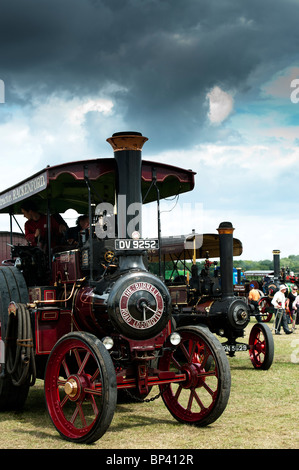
[(213, 85)]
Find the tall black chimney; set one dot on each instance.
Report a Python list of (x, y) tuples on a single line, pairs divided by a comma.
[(276, 264), (127, 152), (225, 231)]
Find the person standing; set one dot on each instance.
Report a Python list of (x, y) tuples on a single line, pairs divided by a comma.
[(289, 305), (295, 307), (279, 303), (253, 299)]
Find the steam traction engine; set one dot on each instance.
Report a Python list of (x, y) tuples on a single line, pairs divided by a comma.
[(208, 297), (91, 320)]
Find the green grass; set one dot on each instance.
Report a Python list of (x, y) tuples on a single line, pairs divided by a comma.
[(262, 413)]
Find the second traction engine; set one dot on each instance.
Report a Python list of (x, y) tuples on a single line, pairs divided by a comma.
[(209, 299)]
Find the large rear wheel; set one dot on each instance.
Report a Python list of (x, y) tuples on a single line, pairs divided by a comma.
[(203, 396), (80, 387), (12, 288)]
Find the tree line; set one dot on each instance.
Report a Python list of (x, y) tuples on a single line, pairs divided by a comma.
[(290, 263)]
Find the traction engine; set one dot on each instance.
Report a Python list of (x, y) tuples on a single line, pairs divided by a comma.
[(95, 323), (208, 298)]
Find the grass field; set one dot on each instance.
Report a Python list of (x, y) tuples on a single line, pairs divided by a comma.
[(262, 413)]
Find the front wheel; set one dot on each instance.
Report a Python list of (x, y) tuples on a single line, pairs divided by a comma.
[(204, 394), (261, 346), (80, 387)]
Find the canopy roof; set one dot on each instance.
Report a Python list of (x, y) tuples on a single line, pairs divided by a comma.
[(65, 185), (174, 248)]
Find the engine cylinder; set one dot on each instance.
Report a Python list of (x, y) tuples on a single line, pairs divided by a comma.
[(233, 313)]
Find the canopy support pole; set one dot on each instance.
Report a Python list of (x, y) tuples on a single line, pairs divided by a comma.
[(90, 223)]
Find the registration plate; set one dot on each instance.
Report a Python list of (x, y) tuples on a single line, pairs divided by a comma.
[(235, 347), (130, 244)]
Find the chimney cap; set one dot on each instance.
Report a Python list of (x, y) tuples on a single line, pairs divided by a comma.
[(128, 140), (225, 227), (116, 134)]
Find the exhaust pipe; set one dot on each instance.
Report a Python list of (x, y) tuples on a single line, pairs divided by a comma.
[(127, 153), (276, 264), (231, 313), (127, 148), (225, 231)]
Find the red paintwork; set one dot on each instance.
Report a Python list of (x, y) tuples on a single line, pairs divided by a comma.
[(66, 267), (50, 325)]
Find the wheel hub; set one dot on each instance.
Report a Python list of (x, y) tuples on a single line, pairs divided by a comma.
[(72, 388), (193, 375), (243, 315)]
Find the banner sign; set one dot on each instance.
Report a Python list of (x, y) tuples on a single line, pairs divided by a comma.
[(24, 190)]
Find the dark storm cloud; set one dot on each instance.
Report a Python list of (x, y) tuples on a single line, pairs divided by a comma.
[(161, 55)]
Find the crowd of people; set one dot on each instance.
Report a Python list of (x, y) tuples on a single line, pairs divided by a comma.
[(282, 302)]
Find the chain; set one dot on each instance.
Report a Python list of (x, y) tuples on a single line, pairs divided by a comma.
[(142, 400)]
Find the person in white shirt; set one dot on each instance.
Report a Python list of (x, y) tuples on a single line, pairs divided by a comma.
[(279, 302), (295, 311)]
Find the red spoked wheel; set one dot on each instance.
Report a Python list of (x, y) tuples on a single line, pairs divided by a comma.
[(261, 346), (80, 387), (203, 396), (265, 308)]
